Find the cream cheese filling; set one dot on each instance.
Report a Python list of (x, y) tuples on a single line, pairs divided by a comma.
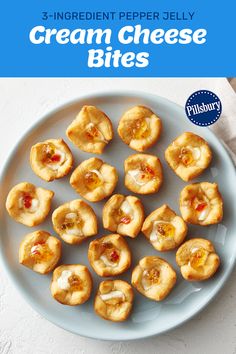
[(134, 174), (126, 208), (204, 213), (145, 283), (107, 262), (63, 280), (71, 215), (113, 295), (196, 151)]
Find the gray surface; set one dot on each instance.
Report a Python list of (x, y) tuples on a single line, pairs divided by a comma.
[(213, 330), (148, 317)]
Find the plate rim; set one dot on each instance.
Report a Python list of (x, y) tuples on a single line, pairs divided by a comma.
[(14, 280)]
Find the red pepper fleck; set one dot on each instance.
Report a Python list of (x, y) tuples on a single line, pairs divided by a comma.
[(149, 170), (200, 206), (27, 201), (125, 220), (55, 158), (114, 256), (89, 135), (36, 252), (39, 243)]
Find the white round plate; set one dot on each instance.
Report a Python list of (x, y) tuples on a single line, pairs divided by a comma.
[(148, 317)]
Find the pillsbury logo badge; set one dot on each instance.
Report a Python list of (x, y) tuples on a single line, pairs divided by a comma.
[(203, 108)]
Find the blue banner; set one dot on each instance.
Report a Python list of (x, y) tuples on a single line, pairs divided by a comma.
[(115, 39)]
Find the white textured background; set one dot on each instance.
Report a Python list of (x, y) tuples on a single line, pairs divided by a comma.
[(22, 102)]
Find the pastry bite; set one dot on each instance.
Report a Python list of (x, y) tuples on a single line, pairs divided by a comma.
[(91, 130), (153, 277), (201, 203), (143, 173), (188, 155), (40, 251), (123, 214), (74, 221), (109, 255), (28, 204), (139, 128), (114, 300), (51, 159), (197, 259), (71, 284), (164, 229), (94, 179)]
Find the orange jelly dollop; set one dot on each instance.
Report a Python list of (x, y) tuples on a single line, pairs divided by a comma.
[(75, 283), (198, 203), (152, 276), (147, 173), (41, 252), (186, 156), (166, 230), (140, 129), (92, 180), (198, 258), (75, 222), (92, 132)]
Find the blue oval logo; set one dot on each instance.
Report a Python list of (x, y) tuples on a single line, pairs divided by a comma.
[(203, 108)]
